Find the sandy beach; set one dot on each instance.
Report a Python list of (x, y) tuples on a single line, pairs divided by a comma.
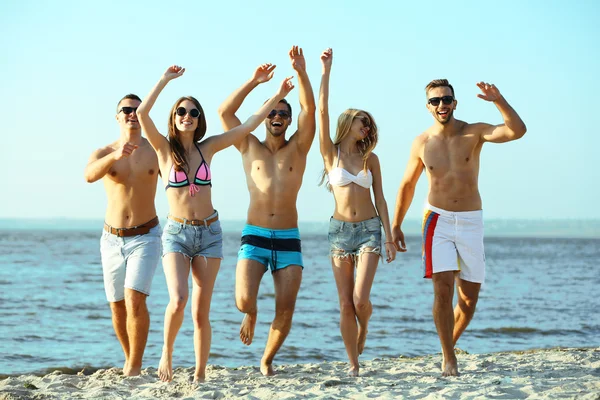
[(552, 373)]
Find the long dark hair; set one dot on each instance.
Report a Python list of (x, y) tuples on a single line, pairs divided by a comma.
[(177, 151)]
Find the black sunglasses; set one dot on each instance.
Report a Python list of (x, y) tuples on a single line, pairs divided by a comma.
[(282, 113), (365, 121), (435, 101), (181, 111), (127, 110)]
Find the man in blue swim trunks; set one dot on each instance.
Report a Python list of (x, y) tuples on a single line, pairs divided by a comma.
[(270, 239)]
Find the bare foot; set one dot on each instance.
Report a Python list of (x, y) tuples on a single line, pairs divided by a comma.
[(361, 339), (165, 368), (450, 368), (198, 380), (125, 367), (247, 329), (353, 372), (130, 371), (266, 369)]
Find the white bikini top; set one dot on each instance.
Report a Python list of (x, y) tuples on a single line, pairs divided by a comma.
[(340, 177)]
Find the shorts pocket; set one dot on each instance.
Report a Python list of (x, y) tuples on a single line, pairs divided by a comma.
[(173, 228), (215, 228), (374, 225)]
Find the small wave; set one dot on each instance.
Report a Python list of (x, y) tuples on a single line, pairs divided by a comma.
[(526, 331)]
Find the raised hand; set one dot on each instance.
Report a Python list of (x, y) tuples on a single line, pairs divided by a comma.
[(263, 73), (124, 151), (297, 58), (490, 92), (286, 87), (327, 58), (398, 239), (174, 71)]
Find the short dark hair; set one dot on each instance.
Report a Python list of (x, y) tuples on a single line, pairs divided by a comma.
[(439, 83), (284, 101), (129, 96)]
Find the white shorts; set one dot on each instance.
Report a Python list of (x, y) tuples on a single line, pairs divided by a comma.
[(129, 262), (453, 241)]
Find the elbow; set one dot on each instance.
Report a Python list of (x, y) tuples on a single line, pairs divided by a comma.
[(310, 109), (222, 110), (522, 130), (89, 178)]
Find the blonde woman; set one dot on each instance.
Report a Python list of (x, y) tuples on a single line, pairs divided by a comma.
[(192, 239), (351, 171)]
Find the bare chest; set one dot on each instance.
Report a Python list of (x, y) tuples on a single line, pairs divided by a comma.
[(457, 154), (140, 166), (281, 166)]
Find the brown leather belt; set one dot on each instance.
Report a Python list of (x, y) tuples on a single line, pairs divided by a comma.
[(134, 230), (195, 222)]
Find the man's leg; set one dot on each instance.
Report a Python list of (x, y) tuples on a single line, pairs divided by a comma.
[(119, 320), (287, 283), (204, 274), (443, 289), (343, 272), (138, 323), (248, 275), (177, 270), (468, 294)]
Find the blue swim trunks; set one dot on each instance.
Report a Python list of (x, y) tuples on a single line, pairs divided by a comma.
[(274, 248)]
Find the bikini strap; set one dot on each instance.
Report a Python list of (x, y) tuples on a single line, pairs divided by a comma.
[(202, 156), (338, 158)]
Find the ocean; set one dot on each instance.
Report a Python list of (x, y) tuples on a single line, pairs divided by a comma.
[(540, 292)]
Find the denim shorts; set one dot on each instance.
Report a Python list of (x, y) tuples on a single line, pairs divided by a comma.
[(354, 238), (193, 240), (129, 262)]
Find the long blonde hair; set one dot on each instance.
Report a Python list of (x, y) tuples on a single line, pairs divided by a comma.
[(365, 146)]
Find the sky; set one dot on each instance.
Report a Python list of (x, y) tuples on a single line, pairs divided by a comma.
[(65, 65)]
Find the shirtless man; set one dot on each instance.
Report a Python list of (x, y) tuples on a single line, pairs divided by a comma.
[(453, 224), (130, 244), (274, 170)]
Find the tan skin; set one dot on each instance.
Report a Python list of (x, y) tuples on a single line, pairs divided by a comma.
[(352, 204), (177, 266), (449, 151), (274, 169), (128, 168)]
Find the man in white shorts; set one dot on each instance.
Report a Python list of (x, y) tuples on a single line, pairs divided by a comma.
[(130, 246), (453, 222)]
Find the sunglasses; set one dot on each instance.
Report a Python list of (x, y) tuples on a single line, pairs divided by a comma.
[(365, 121), (282, 113), (435, 101), (181, 111), (127, 110)]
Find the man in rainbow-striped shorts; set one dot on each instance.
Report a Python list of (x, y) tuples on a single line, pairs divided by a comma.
[(453, 223)]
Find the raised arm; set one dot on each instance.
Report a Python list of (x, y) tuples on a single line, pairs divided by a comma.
[(513, 127), (227, 110), (381, 206), (158, 141), (102, 159), (326, 144), (217, 143), (406, 192), (306, 119)]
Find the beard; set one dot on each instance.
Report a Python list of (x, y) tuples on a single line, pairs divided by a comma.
[(277, 131), (448, 117)]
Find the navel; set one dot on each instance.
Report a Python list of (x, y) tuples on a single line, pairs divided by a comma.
[(151, 172), (291, 168), (431, 167), (467, 159)]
